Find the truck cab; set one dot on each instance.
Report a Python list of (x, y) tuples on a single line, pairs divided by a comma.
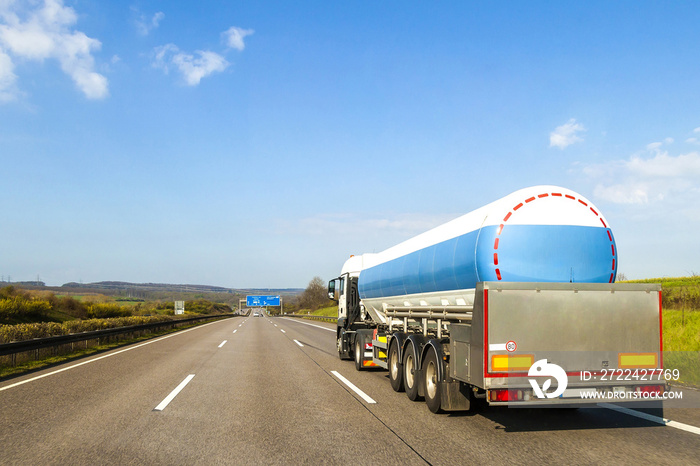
[(353, 332)]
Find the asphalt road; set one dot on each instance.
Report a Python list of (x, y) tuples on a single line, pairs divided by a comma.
[(265, 391)]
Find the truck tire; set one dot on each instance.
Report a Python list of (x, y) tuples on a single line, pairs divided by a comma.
[(359, 352), (410, 380), (432, 383), (395, 367)]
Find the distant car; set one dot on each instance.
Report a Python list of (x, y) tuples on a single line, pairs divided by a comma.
[(257, 314)]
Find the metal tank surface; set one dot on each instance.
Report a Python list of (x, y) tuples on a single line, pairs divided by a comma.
[(536, 234)]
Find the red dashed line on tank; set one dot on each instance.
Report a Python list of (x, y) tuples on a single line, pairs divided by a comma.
[(540, 196)]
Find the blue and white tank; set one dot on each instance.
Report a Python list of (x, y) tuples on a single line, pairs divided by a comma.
[(537, 234)]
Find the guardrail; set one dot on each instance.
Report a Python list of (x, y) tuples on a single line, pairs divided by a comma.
[(321, 318), (36, 344)]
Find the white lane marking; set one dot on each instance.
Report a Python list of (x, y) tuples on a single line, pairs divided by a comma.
[(105, 356), (283, 330), (313, 325), (652, 418), (241, 325), (235, 331), (298, 343), (362, 394), (223, 343), (275, 325), (174, 393)]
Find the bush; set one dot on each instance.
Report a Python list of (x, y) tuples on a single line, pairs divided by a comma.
[(19, 332), (104, 311)]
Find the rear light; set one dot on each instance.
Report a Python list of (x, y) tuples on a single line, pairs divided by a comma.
[(505, 395), (651, 390), (368, 346)]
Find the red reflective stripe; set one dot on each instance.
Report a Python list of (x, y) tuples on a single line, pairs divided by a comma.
[(661, 336), (556, 194), (486, 330), (495, 244), (498, 274), (609, 235), (593, 210), (518, 206), (507, 216), (611, 278), (583, 202), (612, 246), (500, 229), (530, 200), (495, 258), (613, 267), (569, 197), (542, 195)]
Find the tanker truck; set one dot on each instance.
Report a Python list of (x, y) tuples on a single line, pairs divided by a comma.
[(512, 304)]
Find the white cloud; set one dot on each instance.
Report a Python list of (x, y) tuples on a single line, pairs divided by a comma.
[(45, 31), (144, 25), (692, 141), (192, 68), (646, 178), (697, 130), (7, 78), (566, 134), (234, 37), (203, 63)]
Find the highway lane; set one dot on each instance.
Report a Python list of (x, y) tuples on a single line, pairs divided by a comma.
[(262, 398), (587, 435)]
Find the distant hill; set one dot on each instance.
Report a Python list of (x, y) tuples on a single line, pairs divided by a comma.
[(126, 286)]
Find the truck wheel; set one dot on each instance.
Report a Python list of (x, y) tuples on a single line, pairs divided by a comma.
[(433, 386), (395, 368), (359, 352), (410, 379)]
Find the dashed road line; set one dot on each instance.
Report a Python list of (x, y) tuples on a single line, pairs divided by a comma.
[(352, 387), (173, 394)]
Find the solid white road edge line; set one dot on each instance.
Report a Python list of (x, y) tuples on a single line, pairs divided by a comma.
[(283, 330), (173, 394), (313, 325), (105, 356), (223, 343), (362, 394), (652, 418), (298, 343), (235, 331)]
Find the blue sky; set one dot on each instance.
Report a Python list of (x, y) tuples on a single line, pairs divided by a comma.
[(259, 144)]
